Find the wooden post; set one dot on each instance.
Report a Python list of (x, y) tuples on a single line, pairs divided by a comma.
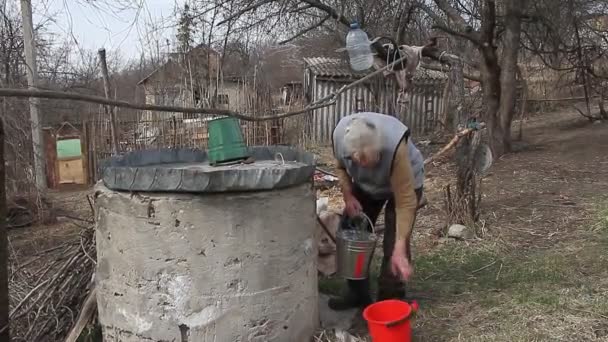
[(84, 143), (94, 154), (4, 294), (50, 149), (32, 81), (109, 111)]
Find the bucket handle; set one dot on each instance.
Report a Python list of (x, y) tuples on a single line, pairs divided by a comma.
[(413, 312), (371, 224)]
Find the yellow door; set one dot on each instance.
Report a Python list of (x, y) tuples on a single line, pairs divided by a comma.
[(71, 171)]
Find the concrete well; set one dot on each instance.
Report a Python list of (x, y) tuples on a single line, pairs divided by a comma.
[(208, 266)]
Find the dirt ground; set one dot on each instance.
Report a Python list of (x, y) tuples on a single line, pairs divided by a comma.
[(538, 270), (28, 242)]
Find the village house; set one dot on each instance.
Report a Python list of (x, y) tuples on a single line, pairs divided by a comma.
[(194, 79)]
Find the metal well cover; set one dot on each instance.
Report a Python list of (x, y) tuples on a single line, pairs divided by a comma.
[(188, 170)]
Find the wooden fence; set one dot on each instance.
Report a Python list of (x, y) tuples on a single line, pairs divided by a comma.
[(166, 132), (420, 110)]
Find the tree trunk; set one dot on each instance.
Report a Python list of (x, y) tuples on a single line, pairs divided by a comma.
[(508, 77), (457, 103), (490, 81), (4, 294)]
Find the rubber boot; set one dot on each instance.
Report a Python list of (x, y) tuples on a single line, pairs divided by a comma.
[(357, 296), (389, 286)]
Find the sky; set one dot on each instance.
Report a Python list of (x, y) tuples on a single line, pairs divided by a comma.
[(113, 26)]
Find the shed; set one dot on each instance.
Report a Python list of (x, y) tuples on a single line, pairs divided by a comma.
[(323, 76)]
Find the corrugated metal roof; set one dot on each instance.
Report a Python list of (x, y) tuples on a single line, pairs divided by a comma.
[(330, 67), (335, 67)]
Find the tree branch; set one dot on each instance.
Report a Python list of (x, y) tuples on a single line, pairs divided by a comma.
[(245, 10), (488, 22), (452, 32), (436, 67), (306, 30), (325, 101), (329, 10), (453, 14), (463, 30)]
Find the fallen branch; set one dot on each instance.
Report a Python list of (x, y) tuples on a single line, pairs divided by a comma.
[(453, 143), (86, 314)]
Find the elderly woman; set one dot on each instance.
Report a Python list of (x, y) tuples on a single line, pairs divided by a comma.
[(378, 164)]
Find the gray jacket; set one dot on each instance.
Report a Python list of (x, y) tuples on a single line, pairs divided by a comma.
[(376, 180)]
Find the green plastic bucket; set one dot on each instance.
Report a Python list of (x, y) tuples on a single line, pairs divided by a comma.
[(226, 143)]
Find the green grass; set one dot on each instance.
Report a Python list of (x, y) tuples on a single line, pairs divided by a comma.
[(481, 294)]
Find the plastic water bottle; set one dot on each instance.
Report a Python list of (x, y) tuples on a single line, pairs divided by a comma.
[(359, 48)]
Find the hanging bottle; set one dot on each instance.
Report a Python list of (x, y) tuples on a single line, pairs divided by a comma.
[(359, 48)]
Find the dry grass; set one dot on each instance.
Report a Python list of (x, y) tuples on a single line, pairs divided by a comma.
[(539, 269), (484, 294)]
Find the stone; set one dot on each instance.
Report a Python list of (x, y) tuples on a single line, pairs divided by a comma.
[(331, 319), (322, 204), (458, 231), (326, 262)]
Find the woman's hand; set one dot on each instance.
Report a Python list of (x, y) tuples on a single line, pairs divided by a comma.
[(352, 205), (400, 265)]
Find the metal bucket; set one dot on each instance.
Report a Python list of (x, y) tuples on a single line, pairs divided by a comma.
[(355, 248)]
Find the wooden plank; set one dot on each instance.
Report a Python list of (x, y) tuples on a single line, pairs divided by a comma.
[(71, 171), (94, 150), (84, 143), (50, 149)]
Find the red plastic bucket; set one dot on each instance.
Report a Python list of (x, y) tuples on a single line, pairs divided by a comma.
[(389, 320)]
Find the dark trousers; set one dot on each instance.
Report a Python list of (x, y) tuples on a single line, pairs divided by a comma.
[(389, 285)]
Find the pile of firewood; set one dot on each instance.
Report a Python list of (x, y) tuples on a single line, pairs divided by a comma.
[(47, 291)]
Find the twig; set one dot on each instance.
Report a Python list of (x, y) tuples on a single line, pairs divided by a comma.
[(590, 312), (84, 250), (243, 11), (31, 293), (306, 30), (499, 270), (90, 200), (483, 268)]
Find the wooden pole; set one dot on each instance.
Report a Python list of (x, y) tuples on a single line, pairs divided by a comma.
[(4, 294), (89, 308), (109, 111), (29, 45)]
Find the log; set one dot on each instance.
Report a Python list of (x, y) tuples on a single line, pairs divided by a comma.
[(452, 143)]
